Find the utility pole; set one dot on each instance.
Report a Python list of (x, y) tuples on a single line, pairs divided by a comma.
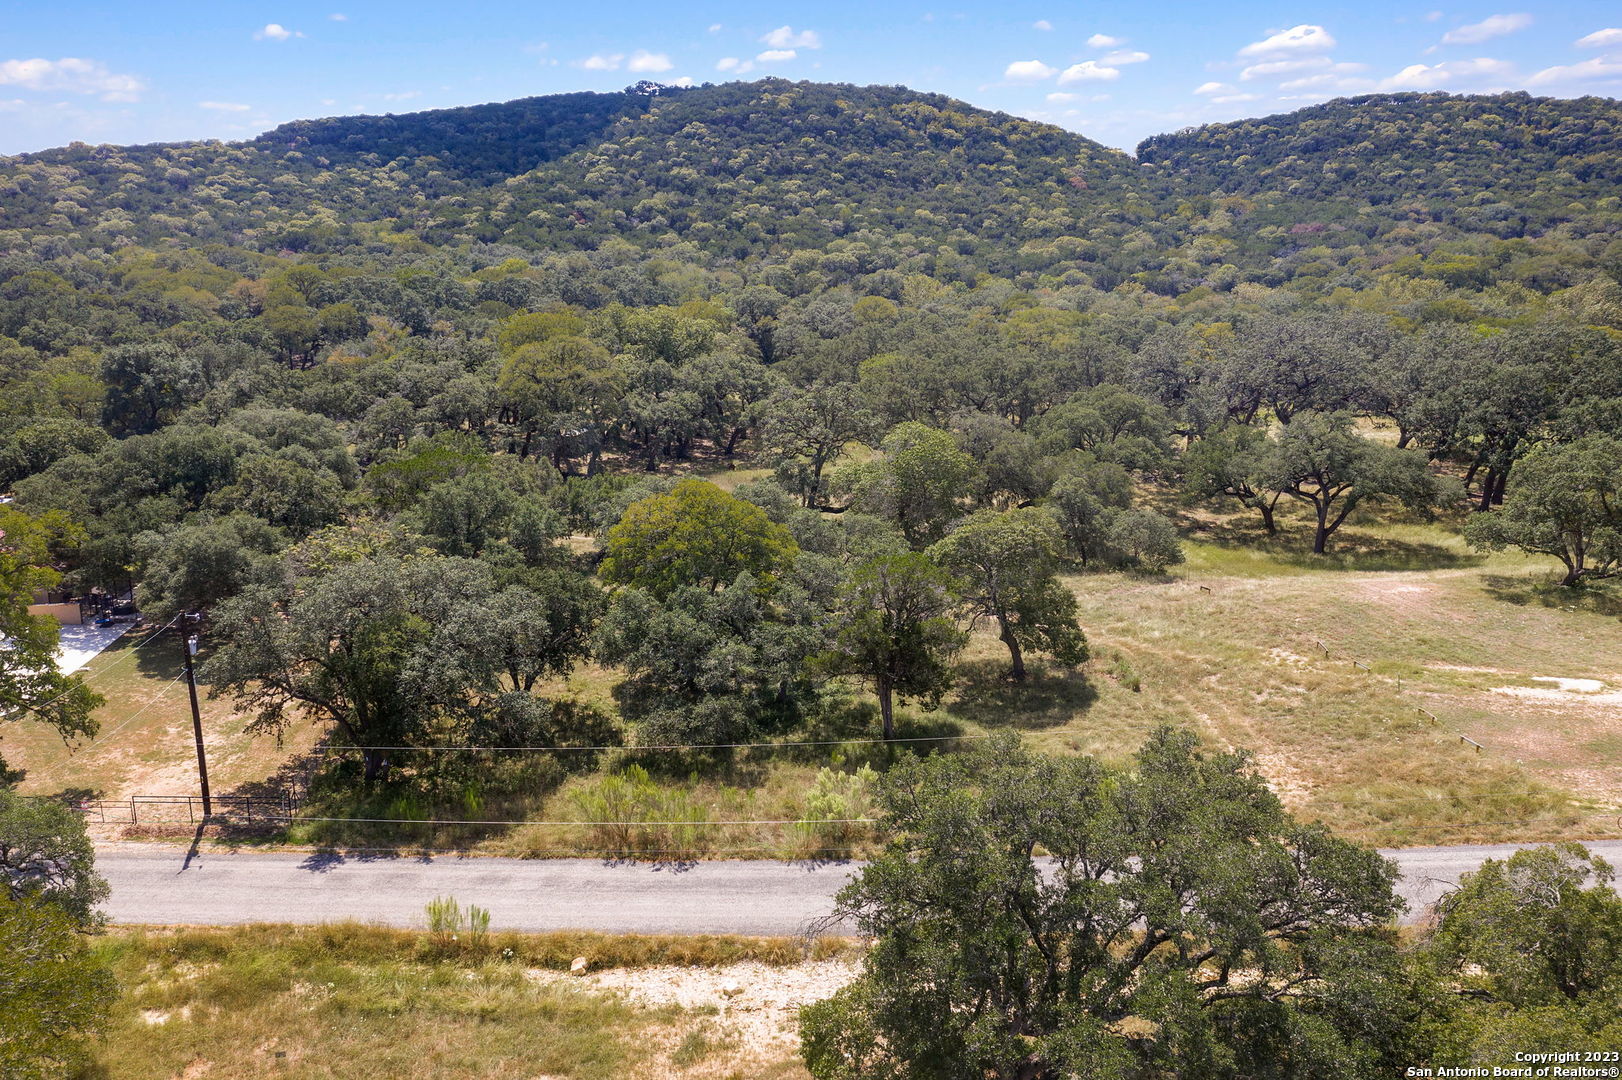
[(190, 649)]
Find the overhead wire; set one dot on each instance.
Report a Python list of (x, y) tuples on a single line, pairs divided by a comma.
[(654, 746), (28, 707)]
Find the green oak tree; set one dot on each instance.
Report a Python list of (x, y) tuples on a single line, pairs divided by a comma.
[(695, 534), (1005, 569), (1319, 460), (806, 430), (385, 649), (195, 565), (897, 631), (30, 685), (54, 994), (1179, 923), (917, 482), (1564, 501), (1531, 949), (1229, 463)]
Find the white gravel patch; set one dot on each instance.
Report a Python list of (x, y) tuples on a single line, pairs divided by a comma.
[(757, 1002), (1572, 686), (80, 644)]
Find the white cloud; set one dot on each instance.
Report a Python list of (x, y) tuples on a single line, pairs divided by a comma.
[(1041, 24), (1213, 88), (1028, 71), (72, 74), (685, 80), (401, 95), (1448, 73), (1432, 16), (1333, 81), (603, 62), (1104, 41), (1125, 56), (785, 37), (775, 56), (1297, 39), (275, 32), (734, 65), (1086, 71), (1490, 27), (223, 106), (1273, 68), (715, 28), (1230, 99), (1599, 69), (1600, 39), (338, 16), (645, 62), (1059, 97)]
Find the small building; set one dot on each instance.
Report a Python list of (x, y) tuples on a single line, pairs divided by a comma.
[(59, 604)]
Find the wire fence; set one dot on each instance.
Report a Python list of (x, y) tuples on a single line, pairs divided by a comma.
[(174, 809), (1359, 665)]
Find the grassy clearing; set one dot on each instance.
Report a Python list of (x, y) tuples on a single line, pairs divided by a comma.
[(359, 1002), (1437, 627)]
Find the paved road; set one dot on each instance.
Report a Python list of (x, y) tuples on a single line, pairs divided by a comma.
[(160, 884)]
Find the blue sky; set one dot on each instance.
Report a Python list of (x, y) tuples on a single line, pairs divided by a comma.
[(151, 72)]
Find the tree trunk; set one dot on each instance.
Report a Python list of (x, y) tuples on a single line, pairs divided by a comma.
[(1017, 672), (377, 764), (1267, 517), (1320, 537), (1470, 473), (1498, 488), (886, 706), (1487, 487)]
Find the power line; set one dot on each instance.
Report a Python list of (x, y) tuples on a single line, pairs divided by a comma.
[(652, 746), (580, 824), (102, 737), (143, 709)]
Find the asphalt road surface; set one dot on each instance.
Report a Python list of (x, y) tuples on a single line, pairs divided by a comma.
[(157, 884)]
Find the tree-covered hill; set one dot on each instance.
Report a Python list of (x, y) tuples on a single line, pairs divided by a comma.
[(1453, 188), (297, 185), (755, 161), (1503, 164), (481, 143), (746, 165)]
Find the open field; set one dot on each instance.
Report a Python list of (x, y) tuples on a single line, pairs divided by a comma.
[(333, 1001), (1252, 642), (1265, 660)]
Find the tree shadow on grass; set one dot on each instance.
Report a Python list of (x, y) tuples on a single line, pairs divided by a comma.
[(1048, 698), (1598, 598), (1350, 548)]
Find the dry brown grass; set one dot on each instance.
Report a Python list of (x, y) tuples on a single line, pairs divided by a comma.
[(349, 1001), (145, 745)]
